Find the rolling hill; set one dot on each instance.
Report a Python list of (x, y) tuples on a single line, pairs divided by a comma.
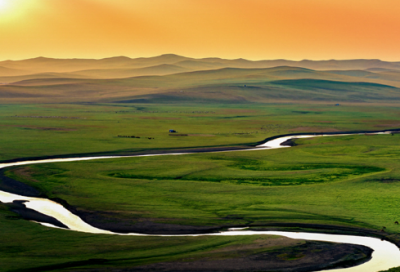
[(5, 71), (162, 69), (227, 85), (49, 65)]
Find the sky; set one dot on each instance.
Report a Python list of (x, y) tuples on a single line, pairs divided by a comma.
[(250, 29)]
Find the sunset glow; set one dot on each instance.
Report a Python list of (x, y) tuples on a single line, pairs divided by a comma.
[(252, 29), (3, 4)]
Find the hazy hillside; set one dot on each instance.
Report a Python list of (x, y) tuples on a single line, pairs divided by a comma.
[(117, 67), (4, 71), (11, 79), (274, 91), (41, 64), (200, 65), (227, 85), (163, 69)]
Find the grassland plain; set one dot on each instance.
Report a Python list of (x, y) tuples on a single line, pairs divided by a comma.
[(350, 181), (27, 246), (175, 191), (65, 129), (346, 182), (176, 201)]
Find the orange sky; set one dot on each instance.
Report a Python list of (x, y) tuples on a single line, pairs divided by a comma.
[(252, 29)]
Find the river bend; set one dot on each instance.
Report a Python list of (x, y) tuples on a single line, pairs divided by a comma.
[(385, 255)]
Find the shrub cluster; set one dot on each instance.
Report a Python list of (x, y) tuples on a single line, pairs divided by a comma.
[(133, 136)]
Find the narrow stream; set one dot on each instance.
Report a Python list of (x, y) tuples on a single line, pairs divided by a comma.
[(386, 255)]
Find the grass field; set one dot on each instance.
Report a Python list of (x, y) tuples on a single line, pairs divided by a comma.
[(27, 246), (176, 190), (62, 129), (350, 181)]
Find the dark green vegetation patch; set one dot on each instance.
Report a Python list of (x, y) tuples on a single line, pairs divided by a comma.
[(248, 171), (394, 269)]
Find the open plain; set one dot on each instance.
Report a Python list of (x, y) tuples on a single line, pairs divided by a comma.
[(348, 184)]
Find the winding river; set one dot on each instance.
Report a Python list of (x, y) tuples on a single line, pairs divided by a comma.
[(386, 255)]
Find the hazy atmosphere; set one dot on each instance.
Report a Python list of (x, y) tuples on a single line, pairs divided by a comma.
[(251, 29), (199, 135)]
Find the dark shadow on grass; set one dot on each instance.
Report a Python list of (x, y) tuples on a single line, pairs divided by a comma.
[(65, 265)]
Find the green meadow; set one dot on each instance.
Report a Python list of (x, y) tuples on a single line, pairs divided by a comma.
[(30, 130), (28, 247), (350, 181)]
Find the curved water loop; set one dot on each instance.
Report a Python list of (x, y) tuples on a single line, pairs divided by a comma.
[(385, 255)]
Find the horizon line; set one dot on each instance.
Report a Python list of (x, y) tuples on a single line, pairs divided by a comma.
[(172, 54)]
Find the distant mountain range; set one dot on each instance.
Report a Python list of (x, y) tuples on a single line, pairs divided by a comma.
[(122, 67), (177, 79)]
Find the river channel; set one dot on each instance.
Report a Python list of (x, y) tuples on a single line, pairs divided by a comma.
[(385, 255)]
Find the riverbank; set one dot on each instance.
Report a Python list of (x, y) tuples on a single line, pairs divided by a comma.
[(300, 258), (190, 150), (113, 222), (165, 227)]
